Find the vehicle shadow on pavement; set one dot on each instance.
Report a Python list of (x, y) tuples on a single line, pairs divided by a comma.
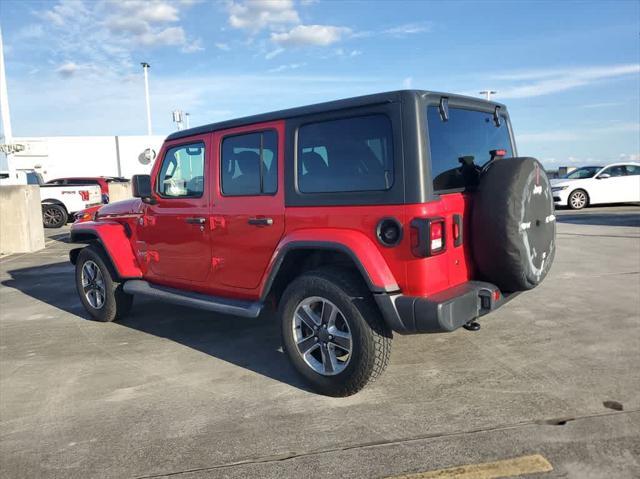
[(251, 344)]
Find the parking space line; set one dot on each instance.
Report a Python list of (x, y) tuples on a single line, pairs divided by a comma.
[(517, 466)]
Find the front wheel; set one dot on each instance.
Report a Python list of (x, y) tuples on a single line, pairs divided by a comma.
[(333, 332), (100, 293), (578, 199)]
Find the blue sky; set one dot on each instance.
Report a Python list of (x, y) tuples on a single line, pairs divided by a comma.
[(568, 71)]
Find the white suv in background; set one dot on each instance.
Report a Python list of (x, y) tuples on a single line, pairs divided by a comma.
[(590, 185)]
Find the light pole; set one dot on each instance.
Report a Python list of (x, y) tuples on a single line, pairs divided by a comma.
[(145, 68), (186, 118), (488, 93), (6, 117)]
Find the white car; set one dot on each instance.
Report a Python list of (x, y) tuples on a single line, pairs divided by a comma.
[(591, 185)]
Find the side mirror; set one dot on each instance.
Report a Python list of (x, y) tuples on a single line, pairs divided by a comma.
[(604, 176), (141, 187)]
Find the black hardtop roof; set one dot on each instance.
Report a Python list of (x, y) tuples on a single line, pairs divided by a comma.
[(354, 102)]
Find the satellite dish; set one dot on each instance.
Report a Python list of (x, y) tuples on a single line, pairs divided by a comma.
[(147, 156)]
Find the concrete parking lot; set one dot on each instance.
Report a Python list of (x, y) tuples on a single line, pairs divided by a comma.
[(175, 392)]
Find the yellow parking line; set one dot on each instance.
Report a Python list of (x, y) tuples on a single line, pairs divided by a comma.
[(517, 466)]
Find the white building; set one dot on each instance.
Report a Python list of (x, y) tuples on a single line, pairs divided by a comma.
[(68, 156)]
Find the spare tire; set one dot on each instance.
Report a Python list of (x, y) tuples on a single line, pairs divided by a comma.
[(513, 224)]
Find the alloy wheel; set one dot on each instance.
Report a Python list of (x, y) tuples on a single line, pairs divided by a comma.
[(322, 336), (578, 200), (52, 216), (93, 284)]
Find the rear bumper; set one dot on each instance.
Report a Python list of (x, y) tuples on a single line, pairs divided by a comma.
[(442, 312)]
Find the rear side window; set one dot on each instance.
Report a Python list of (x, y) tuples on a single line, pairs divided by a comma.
[(249, 164), (350, 154), (633, 170), (467, 133), (182, 172)]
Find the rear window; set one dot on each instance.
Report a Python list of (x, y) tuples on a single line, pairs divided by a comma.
[(467, 133), (350, 154)]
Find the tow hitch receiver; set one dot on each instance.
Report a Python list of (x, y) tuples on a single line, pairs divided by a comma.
[(472, 326)]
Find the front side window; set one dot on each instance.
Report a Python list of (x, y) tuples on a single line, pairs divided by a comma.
[(350, 154), (249, 164), (461, 146), (619, 170), (182, 172)]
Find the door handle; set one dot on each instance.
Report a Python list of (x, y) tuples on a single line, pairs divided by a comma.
[(261, 221), (196, 221)]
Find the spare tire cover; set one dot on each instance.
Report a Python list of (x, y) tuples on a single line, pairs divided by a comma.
[(513, 224)]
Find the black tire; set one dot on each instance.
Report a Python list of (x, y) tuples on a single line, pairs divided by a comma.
[(116, 302), (54, 215), (370, 337), (513, 224), (574, 202)]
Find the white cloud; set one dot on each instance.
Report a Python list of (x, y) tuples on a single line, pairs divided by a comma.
[(222, 46), (578, 134), (149, 11), (256, 15), (408, 29), (290, 66), (273, 53), (301, 35), (106, 33), (407, 82), (544, 82), (67, 69), (629, 157), (602, 105)]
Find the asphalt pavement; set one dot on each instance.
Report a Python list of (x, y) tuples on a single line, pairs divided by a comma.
[(173, 392)]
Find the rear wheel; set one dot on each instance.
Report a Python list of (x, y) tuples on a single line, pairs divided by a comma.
[(333, 332), (578, 199), (54, 216), (100, 293)]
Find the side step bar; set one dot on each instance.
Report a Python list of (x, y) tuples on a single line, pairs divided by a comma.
[(236, 307)]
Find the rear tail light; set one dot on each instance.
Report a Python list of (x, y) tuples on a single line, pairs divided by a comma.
[(427, 236), (84, 194)]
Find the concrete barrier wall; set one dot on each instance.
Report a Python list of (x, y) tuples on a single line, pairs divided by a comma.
[(119, 191), (21, 229)]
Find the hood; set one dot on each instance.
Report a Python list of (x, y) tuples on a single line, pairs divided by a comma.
[(565, 181), (131, 206)]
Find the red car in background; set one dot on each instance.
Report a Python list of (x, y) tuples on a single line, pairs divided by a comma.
[(101, 181)]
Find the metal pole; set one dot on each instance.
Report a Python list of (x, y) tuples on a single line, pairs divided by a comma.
[(186, 115), (6, 116), (145, 68)]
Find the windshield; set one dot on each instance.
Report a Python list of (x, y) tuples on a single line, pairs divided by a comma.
[(461, 146), (581, 173)]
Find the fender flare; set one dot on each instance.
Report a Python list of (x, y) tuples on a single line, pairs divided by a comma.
[(53, 201), (115, 241), (361, 249)]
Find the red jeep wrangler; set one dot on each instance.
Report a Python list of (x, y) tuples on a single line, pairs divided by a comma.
[(405, 211)]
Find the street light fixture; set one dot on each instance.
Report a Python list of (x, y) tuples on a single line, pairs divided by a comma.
[(488, 93)]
